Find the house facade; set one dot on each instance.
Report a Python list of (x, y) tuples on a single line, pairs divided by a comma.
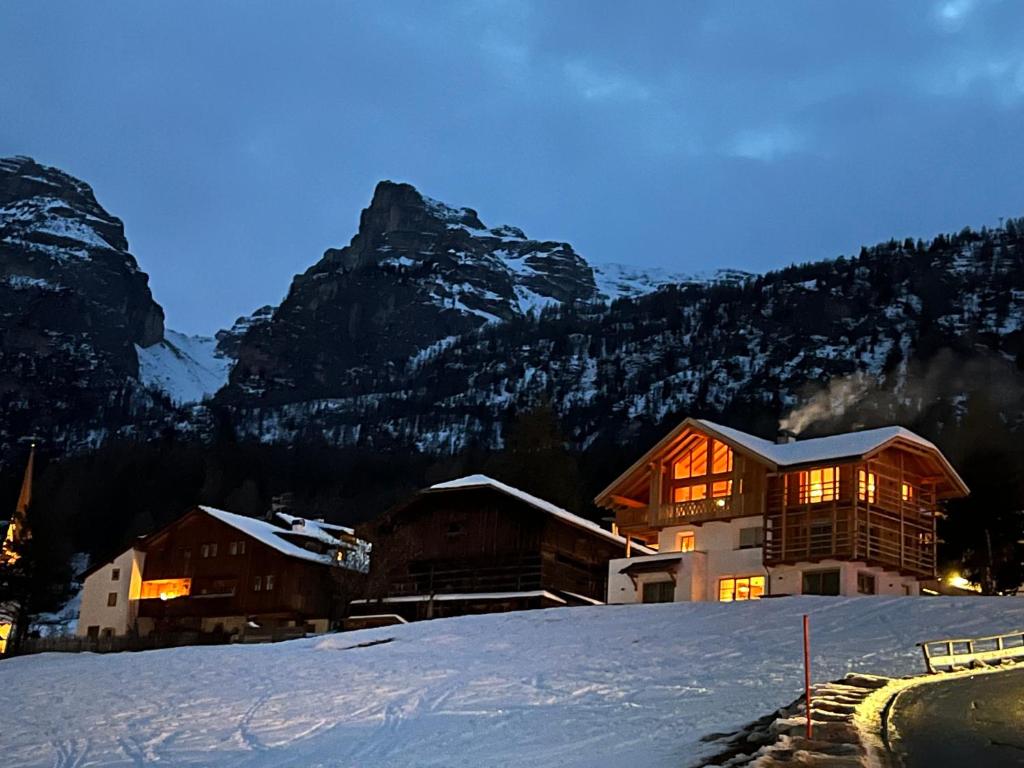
[(736, 517), (215, 571), (476, 545)]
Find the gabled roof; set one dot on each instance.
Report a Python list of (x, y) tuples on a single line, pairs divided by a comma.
[(266, 533), (483, 481), (846, 446)]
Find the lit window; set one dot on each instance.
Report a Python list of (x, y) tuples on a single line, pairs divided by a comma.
[(721, 458), (745, 588), (689, 493), (907, 492), (817, 485), (867, 482), (112, 599), (165, 589), (686, 542), (693, 463), (721, 489), (270, 583), (115, 575)]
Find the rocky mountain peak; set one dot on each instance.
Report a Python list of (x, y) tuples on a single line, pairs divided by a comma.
[(73, 300)]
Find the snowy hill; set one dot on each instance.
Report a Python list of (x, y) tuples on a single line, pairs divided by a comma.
[(187, 368), (563, 688), (626, 281)]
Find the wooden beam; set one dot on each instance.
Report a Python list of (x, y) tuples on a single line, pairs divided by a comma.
[(628, 502)]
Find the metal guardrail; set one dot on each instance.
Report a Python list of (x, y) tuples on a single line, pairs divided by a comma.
[(949, 655)]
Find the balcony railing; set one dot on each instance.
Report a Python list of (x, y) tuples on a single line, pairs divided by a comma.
[(680, 513)]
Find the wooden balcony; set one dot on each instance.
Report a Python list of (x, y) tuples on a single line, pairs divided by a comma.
[(685, 513)]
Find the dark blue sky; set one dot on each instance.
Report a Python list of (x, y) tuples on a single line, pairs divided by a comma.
[(238, 140)]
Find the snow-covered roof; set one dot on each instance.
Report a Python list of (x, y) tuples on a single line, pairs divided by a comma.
[(266, 533), (846, 445), (483, 481), (828, 448), (317, 529)]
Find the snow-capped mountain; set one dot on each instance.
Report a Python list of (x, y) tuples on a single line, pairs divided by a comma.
[(424, 332), (73, 304), (417, 271), (188, 369), (625, 281)]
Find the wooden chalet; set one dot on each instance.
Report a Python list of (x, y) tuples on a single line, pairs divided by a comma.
[(215, 571), (476, 545), (869, 498)]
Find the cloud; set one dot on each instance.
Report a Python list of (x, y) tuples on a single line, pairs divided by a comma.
[(953, 15), (765, 144), (597, 84)]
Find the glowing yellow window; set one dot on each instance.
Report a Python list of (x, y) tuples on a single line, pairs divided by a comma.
[(721, 489), (686, 542), (689, 493), (907, 492), (721, 458), (867, 482), (693, 463), (817, 485), (165, 589), (745, 588)]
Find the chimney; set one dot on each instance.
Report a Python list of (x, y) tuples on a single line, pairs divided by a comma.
[(785, 436)]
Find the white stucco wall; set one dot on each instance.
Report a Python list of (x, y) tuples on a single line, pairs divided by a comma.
[(788, 579), (717, 556), (98, 586)]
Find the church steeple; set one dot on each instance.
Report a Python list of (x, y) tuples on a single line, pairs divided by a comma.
[(17, 529)]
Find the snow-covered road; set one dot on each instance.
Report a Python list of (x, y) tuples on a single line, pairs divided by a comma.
[(601, 686)]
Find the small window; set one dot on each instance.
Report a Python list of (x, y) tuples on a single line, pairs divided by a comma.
[(907, 491), (270, 582), (112, 599), (208, 550), (659, 592), (866, 583), (115, 575), (743, 588), (454, 529), (751, 537), (867, 483), (686, 541), (233, 548), (93, 631), (186, 554), (820, 583), (241, 547), (257, 584)]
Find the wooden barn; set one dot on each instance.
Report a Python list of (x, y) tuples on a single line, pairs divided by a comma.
[(476, 545)]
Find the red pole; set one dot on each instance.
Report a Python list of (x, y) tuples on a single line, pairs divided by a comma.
[(807, 672)]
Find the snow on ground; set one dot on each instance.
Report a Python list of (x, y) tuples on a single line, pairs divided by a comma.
[(187, 368), (565, 687)]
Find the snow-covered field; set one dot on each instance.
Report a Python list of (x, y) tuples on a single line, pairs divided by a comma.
[(601, 686)]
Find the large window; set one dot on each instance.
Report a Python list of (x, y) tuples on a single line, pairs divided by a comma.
[(702, 472), (867, 484), (820, 582), (659, 592), (818, 485), (165, 589), (743, 588)]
